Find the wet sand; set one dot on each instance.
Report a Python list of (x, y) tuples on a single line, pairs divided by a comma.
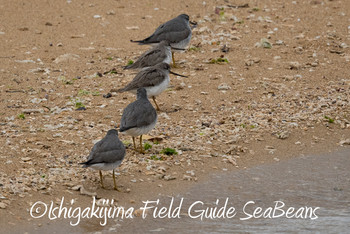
[(307, 181), (311, 181)]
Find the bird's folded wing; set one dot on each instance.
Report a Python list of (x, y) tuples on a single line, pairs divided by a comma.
[(149, 116), (145, 78), (109, 156)]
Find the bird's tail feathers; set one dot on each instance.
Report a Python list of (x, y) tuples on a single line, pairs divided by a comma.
[(85, 164), (127, 67), (123, 129), (120, 90), (141, 42)]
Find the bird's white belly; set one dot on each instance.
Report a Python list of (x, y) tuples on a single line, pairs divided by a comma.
[(140, 131), (158, 89), (105, 166), (168, 56), (182, 44)]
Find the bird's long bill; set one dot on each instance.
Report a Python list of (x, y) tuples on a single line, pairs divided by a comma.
[(174, 48), (177, 74)]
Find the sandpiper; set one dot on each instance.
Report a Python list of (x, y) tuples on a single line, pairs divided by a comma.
[(139, 117), (107, 154), (154, 79), (177, 31), (160, 53)]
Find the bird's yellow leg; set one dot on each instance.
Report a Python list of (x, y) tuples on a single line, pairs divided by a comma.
[(174, 64), (115, 184), (133, 140), (141, 148), (101, 177), (154, 99)]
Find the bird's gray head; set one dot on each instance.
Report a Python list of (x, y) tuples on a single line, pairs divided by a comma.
[(112, 132), (163, 66), (141, 93), (184, 16)]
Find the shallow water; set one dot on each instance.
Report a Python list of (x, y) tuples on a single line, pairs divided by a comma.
[(314, 181)]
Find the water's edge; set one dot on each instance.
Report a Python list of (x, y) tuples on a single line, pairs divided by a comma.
[(301, 184)]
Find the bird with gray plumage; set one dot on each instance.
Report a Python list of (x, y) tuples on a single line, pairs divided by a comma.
[(139, 117), (107, 154), (177, 31), (160, 53), (154, 79)]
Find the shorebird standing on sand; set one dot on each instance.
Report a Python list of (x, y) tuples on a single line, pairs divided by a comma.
[(139, 117), (176, 31), (160, 53), (107, 154), (154, 79)]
